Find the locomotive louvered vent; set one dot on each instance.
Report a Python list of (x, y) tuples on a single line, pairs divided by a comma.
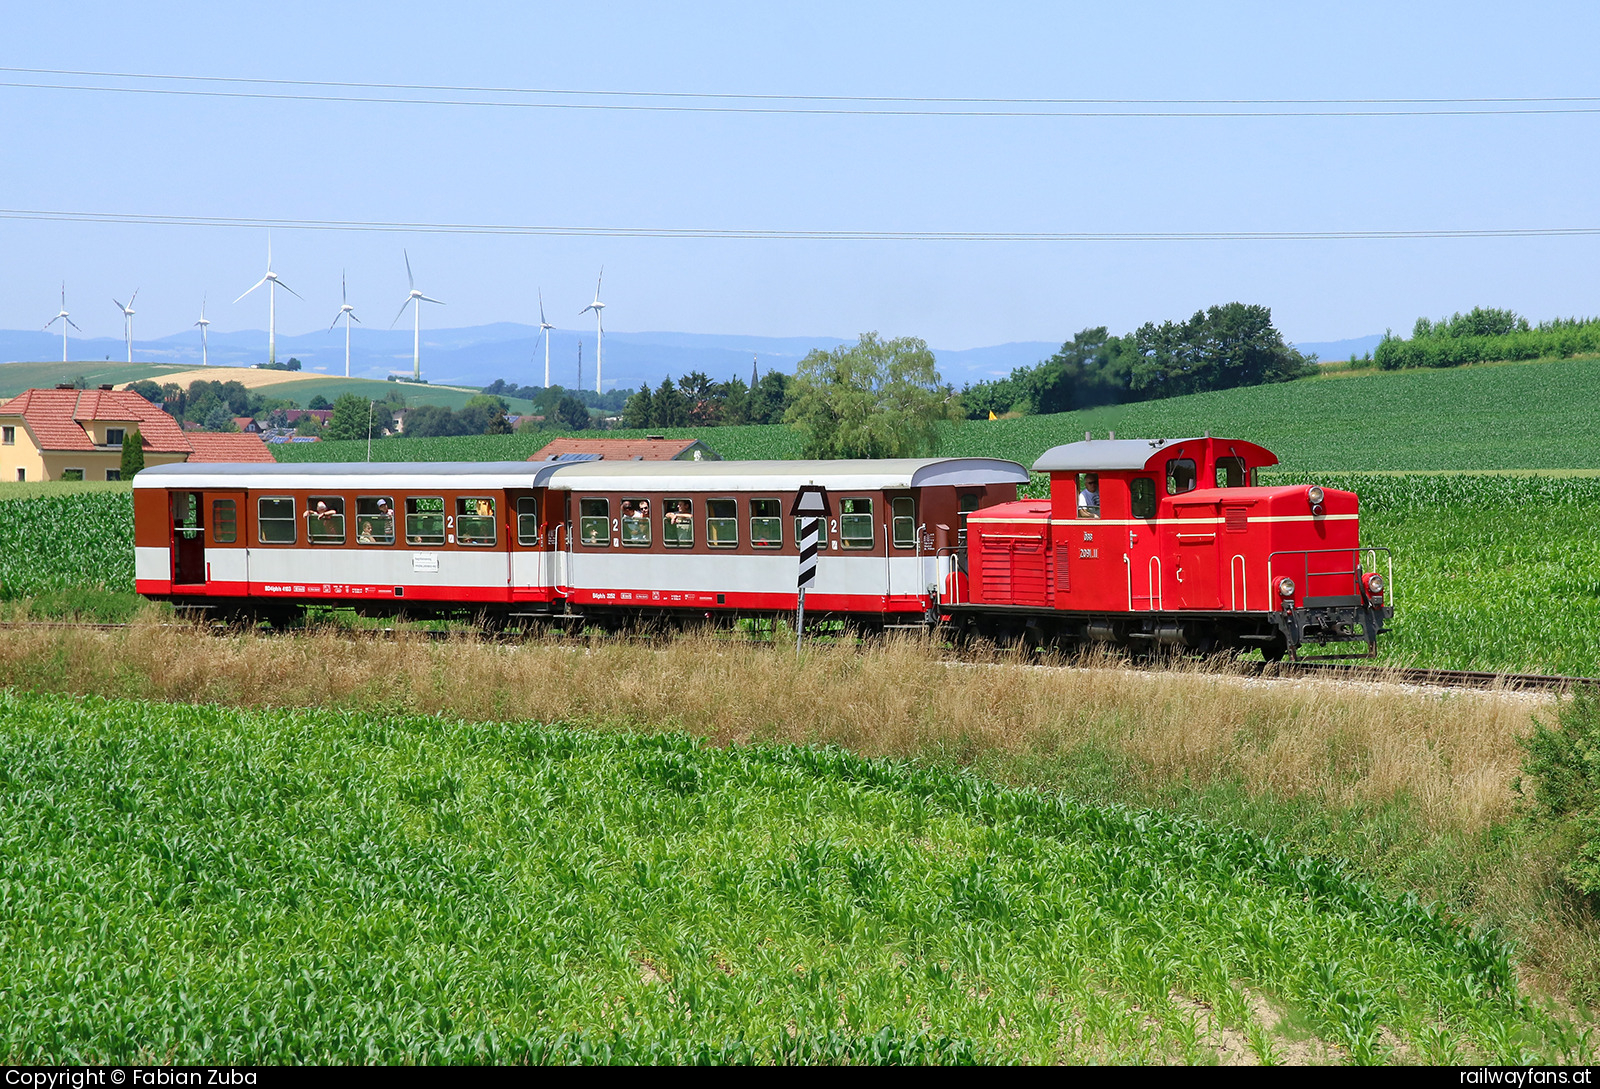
[(1062, 583), (1235, 518)]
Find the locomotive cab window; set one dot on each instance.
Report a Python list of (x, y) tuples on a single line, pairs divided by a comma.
[(722, 523), (1230, 473), (475, 521), (1088, 495), (766, 524), (594, 522), (855, 523), (224, 521), (374, 520), (275, 522), (325, 519), (903, 509), (528, 521), (636, 522), (1142, 492), (677, 526), (425, 520), (1180, 476)]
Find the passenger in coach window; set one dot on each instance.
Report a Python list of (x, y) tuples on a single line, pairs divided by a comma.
[(323, 515), (388, 517), (365, 536), (678, 512)]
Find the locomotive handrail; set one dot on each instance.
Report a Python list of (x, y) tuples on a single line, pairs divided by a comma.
[(1236, 581), (1305, 554), (955, 570)]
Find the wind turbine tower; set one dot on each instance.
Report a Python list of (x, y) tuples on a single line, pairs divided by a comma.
[(273, 283), (66, 321), (205, 359), (414, 300), (348, 313), (127, 320), (544, 331), (599, 329)]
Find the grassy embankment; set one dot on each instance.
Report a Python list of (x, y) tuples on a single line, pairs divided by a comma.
[(354, 882)]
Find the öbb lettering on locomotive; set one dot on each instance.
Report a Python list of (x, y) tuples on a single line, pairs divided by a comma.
[(1143, 543)]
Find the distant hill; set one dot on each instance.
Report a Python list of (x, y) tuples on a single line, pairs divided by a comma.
[(477, 356), (1329, 350)]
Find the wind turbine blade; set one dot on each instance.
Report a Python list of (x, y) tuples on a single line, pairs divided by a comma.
[(72, 323), (585, 310), (120, 307), (335, 320), (425, 298), (402, 313), (597, 280), (135, 295), (355, 319), (541, 304), (344, 296), (251, 288), (52, 321), (290, 290), (409, 278)]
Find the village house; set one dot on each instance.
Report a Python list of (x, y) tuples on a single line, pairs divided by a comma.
[(77, 434), (650, 448)]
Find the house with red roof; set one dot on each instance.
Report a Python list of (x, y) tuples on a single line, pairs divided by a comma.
[(77, 434)]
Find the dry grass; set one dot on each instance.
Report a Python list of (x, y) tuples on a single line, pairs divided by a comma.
[(1417, 786), (1454, 755)]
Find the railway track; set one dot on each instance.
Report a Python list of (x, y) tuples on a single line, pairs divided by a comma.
[(1355, 670)]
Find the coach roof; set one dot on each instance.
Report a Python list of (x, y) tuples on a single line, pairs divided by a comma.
[(781, 476), (1093, 455), (728, 476)]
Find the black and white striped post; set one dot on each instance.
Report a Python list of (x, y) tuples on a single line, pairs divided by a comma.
[(810, 503)]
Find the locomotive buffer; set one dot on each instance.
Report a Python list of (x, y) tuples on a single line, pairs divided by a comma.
[(810, 503)]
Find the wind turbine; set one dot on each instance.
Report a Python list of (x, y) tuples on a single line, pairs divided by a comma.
[(273, 283), (599, 329), (544, 331), (412, 300), (348, 313), (205, 360), (66, 321), (127, 320)]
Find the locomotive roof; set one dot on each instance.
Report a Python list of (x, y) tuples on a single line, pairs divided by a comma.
[(733, 476), (1113, 454)]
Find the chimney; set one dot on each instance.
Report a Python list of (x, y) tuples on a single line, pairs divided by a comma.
[(108, 388)]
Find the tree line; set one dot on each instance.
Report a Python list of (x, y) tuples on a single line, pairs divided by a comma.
[(1486, 334), (695, 400), (1221, 347)]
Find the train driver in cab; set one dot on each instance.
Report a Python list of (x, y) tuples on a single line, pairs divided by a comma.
[(1089, 496)]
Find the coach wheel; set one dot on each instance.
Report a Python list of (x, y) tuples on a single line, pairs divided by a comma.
[(1274, 652)]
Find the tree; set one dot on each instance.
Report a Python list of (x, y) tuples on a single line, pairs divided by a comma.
[(479, 412), (770, 398), (146, 389), (308, 425), (319, 401), (874, 399), (132, 453), (220, 419), (349, 419), (433, 421), (639, 412)]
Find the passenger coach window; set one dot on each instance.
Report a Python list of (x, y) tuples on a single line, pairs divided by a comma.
[(425, 520), (594, 522), (275, 521), (766, 524), (1180, 476), (475, 521), (904, 511), (677, 528), (224, 521), (966, 505), (325, 519), (528, 520), (374, 520), (855, 523), (722, 523), (800, 531), (1143, 492), (636, 522), (1230, 472)]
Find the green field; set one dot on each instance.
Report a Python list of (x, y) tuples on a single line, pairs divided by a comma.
[(1543, 415), (194, 884), (16, 377)]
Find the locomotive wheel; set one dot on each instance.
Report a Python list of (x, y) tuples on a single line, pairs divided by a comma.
[(1274, 652)]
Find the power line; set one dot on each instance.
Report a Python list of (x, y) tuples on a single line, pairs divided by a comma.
[(824, 105), (758, 234)]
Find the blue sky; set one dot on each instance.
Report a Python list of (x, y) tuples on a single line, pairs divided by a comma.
[(102, 152)]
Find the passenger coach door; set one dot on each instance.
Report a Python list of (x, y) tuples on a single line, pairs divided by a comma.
[(188, 538), (227, 543), (530, 561)]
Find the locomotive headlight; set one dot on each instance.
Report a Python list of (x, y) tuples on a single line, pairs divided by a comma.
[(1315, 496), (1375, 585), (1286, 588)]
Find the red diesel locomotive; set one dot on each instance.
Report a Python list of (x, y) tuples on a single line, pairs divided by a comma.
[(1161, 543)]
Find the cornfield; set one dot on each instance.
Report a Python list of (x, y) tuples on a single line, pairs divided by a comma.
[(66, 542)]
